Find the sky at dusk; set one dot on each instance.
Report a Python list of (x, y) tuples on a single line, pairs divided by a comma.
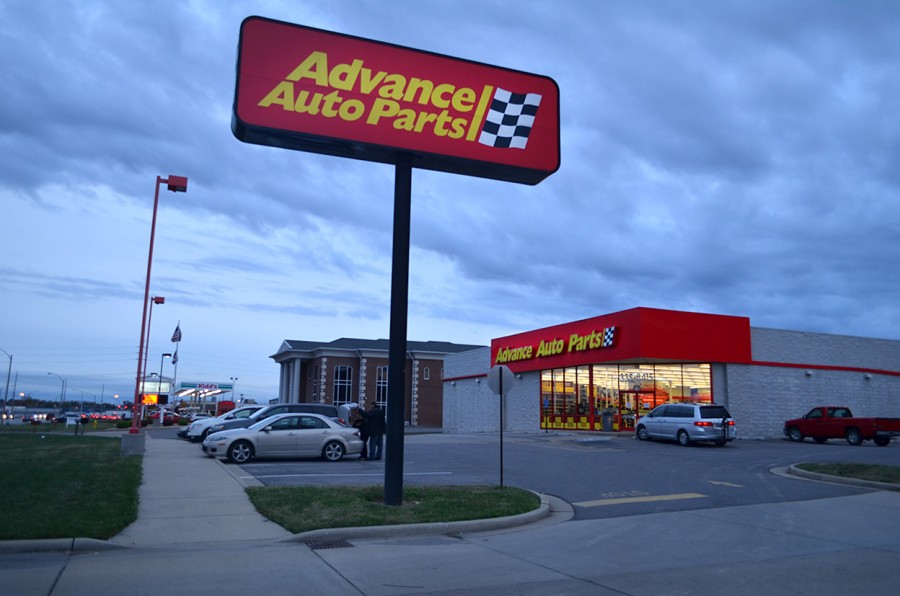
[(717, 156)]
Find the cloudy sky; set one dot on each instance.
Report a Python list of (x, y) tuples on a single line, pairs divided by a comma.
[(718, 156)]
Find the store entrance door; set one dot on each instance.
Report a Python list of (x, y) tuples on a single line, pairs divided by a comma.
[(633, 405)]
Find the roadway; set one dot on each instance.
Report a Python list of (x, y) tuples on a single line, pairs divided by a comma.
[(602, 476)]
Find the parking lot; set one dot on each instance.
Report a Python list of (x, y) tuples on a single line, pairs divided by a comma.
[(604, 476)]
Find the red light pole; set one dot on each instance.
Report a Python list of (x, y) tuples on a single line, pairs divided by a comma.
[(175, 184)]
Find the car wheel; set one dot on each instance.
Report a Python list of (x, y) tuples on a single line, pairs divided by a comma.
[(820, 440), (642, 433), (204, 435), (333, 451), (683, 439), (882, 441), (854, 437), (795, 434), (240, 452)]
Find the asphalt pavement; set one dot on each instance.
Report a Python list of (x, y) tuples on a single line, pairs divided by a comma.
[(197, 531)]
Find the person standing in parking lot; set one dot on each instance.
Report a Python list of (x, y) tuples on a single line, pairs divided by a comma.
[(375, 425), (362, 425)]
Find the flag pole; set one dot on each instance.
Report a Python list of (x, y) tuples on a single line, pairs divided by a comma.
[(176, 337)]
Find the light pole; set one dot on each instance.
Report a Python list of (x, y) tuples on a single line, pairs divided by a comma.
[(175, 184), (8, 371), (153, 300), (62, 391), (161, 359)]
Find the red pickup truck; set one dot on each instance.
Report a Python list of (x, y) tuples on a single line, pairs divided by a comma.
[(837, 422)]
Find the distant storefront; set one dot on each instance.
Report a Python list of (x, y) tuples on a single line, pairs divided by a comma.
[(355, 371), (603, 373)]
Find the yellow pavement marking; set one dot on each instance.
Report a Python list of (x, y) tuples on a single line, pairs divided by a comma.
[(650, 499)]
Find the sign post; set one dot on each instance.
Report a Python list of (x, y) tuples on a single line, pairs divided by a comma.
[(498, 378), (393, 454), (312, 90)]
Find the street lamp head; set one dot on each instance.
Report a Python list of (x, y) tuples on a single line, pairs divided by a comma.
[(159, 300), (177, 183)]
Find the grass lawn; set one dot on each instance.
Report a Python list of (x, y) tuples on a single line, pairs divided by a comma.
[(57, 485), (872, 472), (302, 508)]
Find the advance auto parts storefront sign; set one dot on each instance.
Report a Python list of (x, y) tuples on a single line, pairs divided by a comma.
[(314, 90)]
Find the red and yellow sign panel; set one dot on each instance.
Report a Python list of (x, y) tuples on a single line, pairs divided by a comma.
[(636, 335), (314, 90)]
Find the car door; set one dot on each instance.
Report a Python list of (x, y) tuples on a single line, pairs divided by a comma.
[(278, 439), (681, 417), (654, 421), (671, 421), (313, 434)]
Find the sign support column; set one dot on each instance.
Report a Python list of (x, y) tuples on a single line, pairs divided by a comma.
[(393, 465)]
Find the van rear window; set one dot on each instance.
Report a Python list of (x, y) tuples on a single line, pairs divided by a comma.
[(714, 412)]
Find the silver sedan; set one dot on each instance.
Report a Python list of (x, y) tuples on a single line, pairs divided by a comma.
[(286, 435)]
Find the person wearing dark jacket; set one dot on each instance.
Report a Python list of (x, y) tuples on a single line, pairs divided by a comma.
[(361, 424), (375, 425)]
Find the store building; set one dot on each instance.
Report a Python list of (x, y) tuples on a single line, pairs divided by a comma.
[(602, 373), (355, 371)]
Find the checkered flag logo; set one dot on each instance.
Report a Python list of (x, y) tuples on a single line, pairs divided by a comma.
[(509, 119), (609, 336)]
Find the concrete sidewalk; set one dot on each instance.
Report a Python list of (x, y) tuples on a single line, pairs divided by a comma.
[(188, 497)]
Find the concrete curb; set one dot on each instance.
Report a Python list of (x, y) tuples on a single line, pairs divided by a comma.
[(793, 470), (460, 527), (72, 545)]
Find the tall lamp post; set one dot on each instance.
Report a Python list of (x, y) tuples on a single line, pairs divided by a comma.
[(174, 184), (153, 300), (161, 359), (62, 391), (8, 371)]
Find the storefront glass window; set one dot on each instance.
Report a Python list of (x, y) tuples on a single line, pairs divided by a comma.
[(546, 398), (669, 383), (697, 383), (611, 397), (583, 395)]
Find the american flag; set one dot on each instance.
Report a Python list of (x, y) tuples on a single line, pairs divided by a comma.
[(176, 337)]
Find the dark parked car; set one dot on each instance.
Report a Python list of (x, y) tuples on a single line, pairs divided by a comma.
[(339, 414), (72, 418)]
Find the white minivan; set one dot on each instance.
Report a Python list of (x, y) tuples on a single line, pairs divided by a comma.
[(686, 423)]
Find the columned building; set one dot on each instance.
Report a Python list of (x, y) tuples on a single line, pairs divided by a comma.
[(355, 371)]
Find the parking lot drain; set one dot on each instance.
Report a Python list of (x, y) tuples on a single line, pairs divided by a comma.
[(330, 544)]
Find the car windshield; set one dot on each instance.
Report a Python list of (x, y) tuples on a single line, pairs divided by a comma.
[(714, 412)]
